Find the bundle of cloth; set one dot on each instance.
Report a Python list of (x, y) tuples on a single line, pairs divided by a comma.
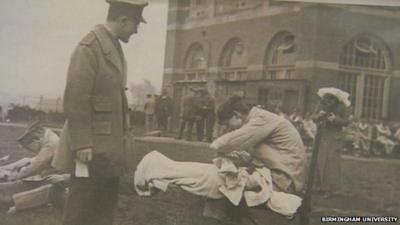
[(233, 176)]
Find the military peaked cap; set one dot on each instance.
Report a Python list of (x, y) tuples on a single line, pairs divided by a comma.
[(28, 135), (136, 6)]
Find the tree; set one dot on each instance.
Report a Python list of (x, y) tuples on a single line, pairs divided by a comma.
[(140, 90)]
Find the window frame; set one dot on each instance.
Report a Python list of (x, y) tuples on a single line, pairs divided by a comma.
[(363, 98), (270, 69)]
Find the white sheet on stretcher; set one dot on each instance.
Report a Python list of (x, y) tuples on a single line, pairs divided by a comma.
[(157, 171)]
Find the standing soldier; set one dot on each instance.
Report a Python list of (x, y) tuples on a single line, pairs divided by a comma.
[(149, 109), (96, 109), (207, 114), (163, 111), (188, 115)]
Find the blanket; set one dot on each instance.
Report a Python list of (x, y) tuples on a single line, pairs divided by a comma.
[(214, 181)]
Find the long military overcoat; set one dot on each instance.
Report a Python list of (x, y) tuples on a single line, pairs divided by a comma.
[(95, 103)]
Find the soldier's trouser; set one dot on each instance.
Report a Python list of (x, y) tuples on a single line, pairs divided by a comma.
[(162, 122), (149, 120), (181, 128), (91, 201), (200, 129), (210, 121), (33, 198), (190, 124), (189, 130), (31, 194), (12, 187)]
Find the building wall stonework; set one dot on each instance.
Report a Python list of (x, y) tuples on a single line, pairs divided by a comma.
[(320, 32)]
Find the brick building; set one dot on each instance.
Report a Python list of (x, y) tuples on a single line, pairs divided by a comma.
[(282, 52)]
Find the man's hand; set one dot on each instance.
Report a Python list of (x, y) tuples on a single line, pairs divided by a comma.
[(84, 155), (331, 117)]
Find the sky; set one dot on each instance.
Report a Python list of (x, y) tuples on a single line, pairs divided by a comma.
[(37, 39)]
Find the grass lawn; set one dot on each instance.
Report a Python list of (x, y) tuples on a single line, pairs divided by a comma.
[(178, 207)]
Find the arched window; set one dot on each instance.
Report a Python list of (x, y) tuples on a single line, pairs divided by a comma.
[(195, 63), (195, 57), (364, 73), (280, 57), (233, 60)]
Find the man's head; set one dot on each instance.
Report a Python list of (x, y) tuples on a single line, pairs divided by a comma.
[(124, 17), (233, 113), (31, 139)]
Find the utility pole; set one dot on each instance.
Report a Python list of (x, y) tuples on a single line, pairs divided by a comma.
[(57, 102), (40, 103)]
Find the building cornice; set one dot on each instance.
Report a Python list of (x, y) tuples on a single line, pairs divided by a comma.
[(223, 19), (303, 64), (278, 10), (388, 3)]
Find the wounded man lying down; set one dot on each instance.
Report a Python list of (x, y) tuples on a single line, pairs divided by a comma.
[(261, 160), (222, 179)]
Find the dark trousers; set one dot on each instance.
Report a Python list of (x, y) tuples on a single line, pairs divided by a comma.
[(205, 126), (210, 121), (190, 124), (91, 201), (200, 129), (162, 122)]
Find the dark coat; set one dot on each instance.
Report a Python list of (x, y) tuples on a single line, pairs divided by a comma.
[(95, 102), (163, 107), (191, 106), (329, 157), (208, 106)]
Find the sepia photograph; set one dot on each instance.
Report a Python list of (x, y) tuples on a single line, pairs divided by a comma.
[(199, 112)]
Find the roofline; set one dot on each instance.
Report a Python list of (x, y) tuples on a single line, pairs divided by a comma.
[(386, 3)]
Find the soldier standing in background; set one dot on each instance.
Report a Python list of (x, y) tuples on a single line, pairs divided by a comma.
[(207, 116), (163, 111), (189, 114), (96, 108), (149, 109)]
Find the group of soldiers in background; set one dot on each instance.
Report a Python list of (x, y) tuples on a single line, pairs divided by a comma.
[(158, 111), (362, 138), (198, 109)]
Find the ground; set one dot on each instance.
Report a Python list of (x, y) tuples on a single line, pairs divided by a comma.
[(134, 210)]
